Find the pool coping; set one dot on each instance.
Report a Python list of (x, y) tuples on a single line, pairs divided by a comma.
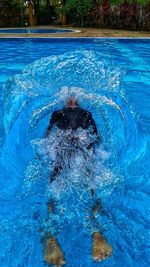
[(12, 38)]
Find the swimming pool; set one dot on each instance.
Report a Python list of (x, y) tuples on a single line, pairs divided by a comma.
[(33, 31), (111, 78)]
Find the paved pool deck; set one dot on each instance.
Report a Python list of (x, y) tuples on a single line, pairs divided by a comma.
[(84, 32)]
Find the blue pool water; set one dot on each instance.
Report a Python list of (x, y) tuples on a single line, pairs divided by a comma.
[(33, 31), (110, 78)]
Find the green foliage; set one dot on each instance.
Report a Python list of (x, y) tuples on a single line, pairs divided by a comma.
[(10, 12), (79, 7), (82, 7), (142, 2)]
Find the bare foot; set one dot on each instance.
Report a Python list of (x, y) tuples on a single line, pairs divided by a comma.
[(101, 249), (52, 253)]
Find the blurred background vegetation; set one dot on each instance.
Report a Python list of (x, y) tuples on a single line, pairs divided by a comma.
[(128, 14)]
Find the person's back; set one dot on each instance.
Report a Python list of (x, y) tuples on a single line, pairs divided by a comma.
[(72, 118)]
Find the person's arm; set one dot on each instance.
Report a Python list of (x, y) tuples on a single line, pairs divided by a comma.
[(52, 121), (94, 131)]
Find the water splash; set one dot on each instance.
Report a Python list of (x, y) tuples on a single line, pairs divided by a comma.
[(29, 100)]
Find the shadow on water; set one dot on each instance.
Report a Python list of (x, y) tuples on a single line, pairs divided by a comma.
[(28, 158)]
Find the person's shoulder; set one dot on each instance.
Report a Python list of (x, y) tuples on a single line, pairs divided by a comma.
[(56, 113), (82, 110), (87, 113)]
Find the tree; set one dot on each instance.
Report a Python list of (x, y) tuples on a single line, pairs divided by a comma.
[(79, 7), (43, 11), (11, 12)]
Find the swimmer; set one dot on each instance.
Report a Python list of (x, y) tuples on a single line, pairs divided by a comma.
[(70, 118)]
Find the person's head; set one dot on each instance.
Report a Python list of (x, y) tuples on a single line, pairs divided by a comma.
[(72, 102)]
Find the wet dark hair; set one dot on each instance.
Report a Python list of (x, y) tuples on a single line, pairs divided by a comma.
[(72, 102)]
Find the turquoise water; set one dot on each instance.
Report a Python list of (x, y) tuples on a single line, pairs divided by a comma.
[(33, 31), (110, 78)]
